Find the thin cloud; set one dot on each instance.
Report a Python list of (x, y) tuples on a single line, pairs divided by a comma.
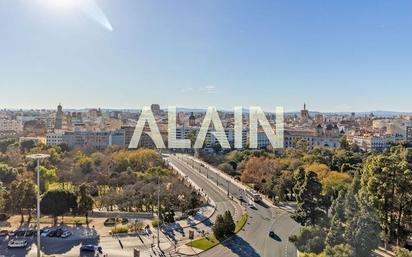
[(210, 89)]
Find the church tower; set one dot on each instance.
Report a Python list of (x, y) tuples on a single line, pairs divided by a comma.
[(59, 117), (192, 120), (304, 114)]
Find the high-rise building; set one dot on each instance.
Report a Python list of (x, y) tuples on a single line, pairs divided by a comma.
[(59, 117)]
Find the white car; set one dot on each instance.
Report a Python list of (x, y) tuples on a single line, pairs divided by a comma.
[(17, 243), (251, 205)]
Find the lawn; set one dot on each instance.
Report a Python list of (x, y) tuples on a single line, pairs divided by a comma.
[(241, 223), (204, 243), (69, 220)]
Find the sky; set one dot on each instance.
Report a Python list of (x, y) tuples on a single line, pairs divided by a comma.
[(334, 55)]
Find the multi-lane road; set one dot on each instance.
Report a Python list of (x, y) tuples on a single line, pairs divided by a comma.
[(254, 239)]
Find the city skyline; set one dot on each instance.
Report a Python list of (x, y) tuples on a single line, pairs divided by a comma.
[(346, 57)]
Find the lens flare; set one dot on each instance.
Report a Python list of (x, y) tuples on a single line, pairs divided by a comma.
[(94, 12), (88, 7)]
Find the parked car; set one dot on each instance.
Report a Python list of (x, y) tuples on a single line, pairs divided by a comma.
[(44, 232), (59, 232), (17, 243), (271, 234), (90, 248), (12, 233), (66, 234), (31, 232), (52, 233), (4, 233), (20, 233)]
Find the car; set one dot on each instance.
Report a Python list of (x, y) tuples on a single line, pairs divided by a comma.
[(12, 233), (31, 232), (251, 205), (4, 233), (90, 248), (59, 232), (66, 234), (52, 233), (271, 234), (20, 233), (17, 243), (44, 232)]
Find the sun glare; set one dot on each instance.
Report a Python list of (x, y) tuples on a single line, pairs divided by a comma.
[(66, 4), (88, 7)]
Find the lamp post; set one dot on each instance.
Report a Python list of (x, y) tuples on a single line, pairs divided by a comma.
[(38, 157), (158, 212)]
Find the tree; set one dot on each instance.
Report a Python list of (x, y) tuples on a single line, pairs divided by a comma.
[(387, 185), (310, 202), (167, 213), (336, 232), (310, 240), (194, 201), (57, 203), (353, 223), (27, 145), (362, 232), (47, 175), (260, 169), (84, 202), (21, 196), (219, 228), (341, 250), (401, 252), (345, 160), (224, 226), (7, 174), (227, 168), (344, 143), (230, 225)]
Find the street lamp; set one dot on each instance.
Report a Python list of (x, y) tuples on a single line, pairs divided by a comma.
[(158, 212), (38, 157)]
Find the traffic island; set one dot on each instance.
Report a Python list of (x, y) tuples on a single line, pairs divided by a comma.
[(206, 243)]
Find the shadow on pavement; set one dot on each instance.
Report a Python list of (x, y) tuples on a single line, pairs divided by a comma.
[(55, 246), (264, 205), (207, 222), (240, 247)]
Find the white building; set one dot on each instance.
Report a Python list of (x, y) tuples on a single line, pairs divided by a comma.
[(325, 137), (55, 138), (375, 143), (11, 125), (182, 132)]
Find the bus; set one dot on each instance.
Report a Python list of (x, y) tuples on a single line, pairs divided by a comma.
[(253, 195)]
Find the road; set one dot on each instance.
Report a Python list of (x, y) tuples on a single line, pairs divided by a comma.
[(254, 239)]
